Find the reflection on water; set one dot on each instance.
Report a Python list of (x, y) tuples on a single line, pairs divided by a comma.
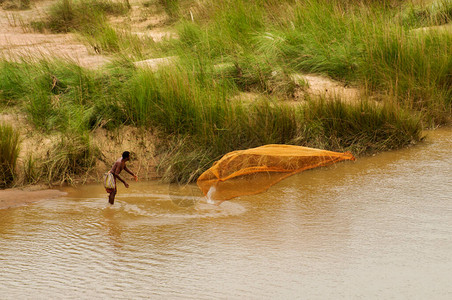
[(379, 227), (112, 226)]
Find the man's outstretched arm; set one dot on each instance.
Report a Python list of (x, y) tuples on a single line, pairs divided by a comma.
[(131, 173)]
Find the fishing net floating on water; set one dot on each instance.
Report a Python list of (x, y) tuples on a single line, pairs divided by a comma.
[(252, 171)]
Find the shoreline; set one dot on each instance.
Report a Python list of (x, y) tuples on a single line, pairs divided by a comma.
[(15, 197)]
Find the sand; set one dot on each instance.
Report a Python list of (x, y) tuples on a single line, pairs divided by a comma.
[(18, 197)]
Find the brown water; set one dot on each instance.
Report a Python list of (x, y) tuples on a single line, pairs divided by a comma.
[(380, 227)]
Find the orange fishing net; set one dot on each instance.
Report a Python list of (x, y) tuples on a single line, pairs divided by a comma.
[(252, 171)]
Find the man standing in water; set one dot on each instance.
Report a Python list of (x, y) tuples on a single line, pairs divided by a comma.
[(118, 166)]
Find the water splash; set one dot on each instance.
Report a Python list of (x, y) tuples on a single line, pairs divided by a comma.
[(211, 191)]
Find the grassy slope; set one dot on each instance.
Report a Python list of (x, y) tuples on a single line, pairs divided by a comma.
[(261, 43)]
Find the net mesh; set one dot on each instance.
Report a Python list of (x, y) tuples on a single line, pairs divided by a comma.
[(252, 171)]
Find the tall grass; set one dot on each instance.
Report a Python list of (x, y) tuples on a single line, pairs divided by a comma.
[(32, 173), (82, 15), (72, 157), (363, 43), (56, 95), (9, 152), (192, 110), (415, 68), (12, 86), (434, 13), (364, 127), (172, 7), (327, 124), (172, 99), (195, 116), (199, 125)]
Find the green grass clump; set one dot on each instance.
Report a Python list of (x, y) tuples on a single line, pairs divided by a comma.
[(172, 99), (432, 14), (185, 156), (9, 152), (230, 30), (397, 63), (364, 127), (323, 39), (82, 15), (12, 84), (56, 95)]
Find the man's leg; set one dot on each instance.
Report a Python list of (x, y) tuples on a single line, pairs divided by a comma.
[(111, 198)]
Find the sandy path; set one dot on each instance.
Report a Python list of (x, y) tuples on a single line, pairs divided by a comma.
[(18, 41), (16, 197), (322, 86)]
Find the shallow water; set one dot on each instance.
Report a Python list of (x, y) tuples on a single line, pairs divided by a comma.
[(379, 227)]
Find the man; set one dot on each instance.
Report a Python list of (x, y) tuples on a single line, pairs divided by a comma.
[(118, 166)]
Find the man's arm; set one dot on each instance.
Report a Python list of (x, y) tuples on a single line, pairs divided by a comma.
[(128, 171), (131, 173)]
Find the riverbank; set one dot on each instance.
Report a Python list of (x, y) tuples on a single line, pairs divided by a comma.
[(30, 194)]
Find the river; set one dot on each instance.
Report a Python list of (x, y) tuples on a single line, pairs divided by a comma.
[(376, 228)]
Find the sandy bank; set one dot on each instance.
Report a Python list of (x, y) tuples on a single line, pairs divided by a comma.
[(17, 197)]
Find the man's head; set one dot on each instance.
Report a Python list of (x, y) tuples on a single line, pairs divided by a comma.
[(126, 155)]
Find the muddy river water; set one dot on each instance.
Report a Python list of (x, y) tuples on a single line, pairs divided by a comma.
[(380, 227)]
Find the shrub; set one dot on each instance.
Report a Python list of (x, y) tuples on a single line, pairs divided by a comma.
[(9, 152), (364, 127), (82, 15)]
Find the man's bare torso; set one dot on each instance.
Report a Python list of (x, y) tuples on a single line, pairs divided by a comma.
[(118, 166)]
